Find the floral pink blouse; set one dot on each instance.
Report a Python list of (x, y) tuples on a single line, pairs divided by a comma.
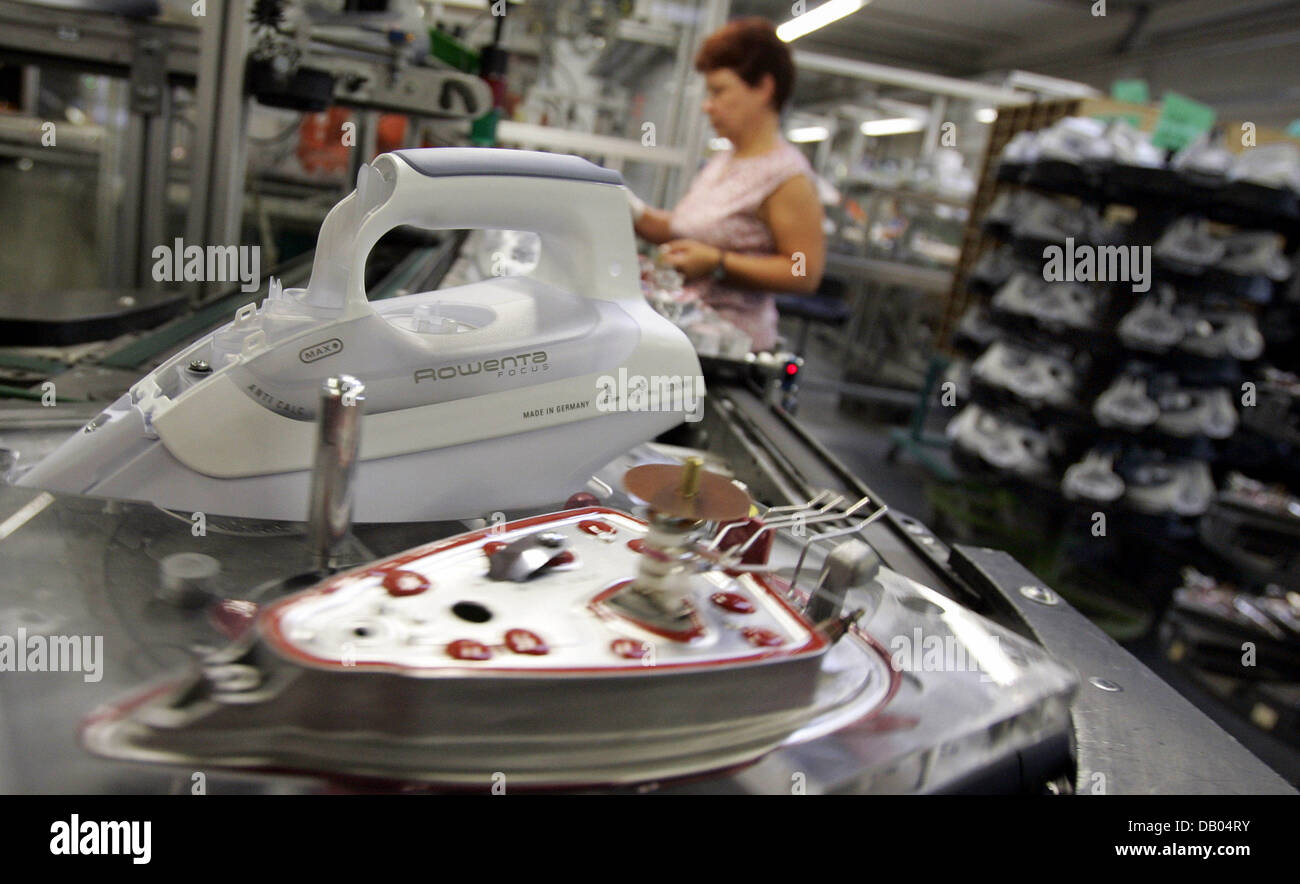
[(721, 209)]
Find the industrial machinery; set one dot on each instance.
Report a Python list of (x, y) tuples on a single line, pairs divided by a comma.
[(406, 651), (962, 671), (591, 647), (576, 615)]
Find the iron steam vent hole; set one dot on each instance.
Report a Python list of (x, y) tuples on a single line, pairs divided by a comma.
[(472, 612)]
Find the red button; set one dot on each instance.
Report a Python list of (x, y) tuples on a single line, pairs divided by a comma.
[(732, 601), (402, 583), (466, 649), (763, 638), (233, 616), (629, 648), (521, 641), (492, 546), (565, 558), (639, 545), (581, 501), (597, 528)]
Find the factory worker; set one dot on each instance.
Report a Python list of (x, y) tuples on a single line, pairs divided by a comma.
[(751, 222)]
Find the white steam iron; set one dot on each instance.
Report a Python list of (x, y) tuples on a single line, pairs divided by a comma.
[(491, 395)]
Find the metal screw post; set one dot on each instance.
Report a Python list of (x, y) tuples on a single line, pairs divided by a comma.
[(339, 438)]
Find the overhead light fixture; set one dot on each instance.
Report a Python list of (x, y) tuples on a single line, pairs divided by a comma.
[(805, 134), (719, 144), (986, 114), (895, 126), (834, 10)]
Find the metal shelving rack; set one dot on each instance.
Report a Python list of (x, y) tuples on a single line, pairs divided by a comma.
[(1147, 554)]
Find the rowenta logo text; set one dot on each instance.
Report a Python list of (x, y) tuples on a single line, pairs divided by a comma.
[(506, 366)]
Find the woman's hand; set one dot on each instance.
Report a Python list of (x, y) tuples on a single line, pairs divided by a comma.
[(794, 215), (690, 257)]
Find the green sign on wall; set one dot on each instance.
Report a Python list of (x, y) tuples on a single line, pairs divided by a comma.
[(1181, 121)]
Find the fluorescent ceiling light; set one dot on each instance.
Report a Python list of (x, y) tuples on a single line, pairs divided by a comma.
[(833, 10), (896, 126), (986, 114), (719, 144), (808, 133)]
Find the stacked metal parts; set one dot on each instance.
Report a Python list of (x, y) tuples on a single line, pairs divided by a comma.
[(1131, 363)]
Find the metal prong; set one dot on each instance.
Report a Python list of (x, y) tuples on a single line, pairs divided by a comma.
[(337, 443), (836, 628), (852, 528), (849, 564)]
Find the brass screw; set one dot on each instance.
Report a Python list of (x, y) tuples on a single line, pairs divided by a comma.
[(691, 477)]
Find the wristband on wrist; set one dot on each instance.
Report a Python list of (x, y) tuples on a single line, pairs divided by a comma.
[(720, 270)]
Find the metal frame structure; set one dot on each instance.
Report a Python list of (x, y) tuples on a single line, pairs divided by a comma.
[(154, 55), (217, 174), (209, 55), (910, 79), (150, 57)]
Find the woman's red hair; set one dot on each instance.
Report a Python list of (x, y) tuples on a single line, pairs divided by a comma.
[(750, 48)]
